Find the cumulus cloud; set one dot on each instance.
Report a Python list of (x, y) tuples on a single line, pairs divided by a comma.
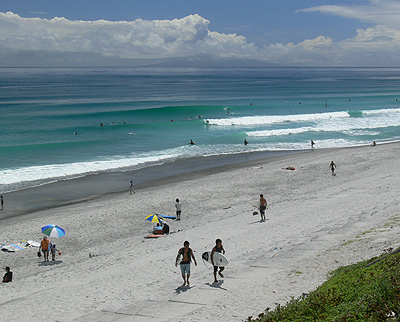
[(59, 41), (138, 39)]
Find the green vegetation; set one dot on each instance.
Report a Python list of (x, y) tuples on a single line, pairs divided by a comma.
[(366, 291)]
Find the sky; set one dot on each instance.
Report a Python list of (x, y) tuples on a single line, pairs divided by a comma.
[(304, 33)]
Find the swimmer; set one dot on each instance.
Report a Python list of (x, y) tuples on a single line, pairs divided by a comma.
[(246, 142), (192, 143)]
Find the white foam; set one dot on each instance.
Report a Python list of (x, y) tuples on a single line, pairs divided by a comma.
[(274, 119), (351, 125), (381, 111)]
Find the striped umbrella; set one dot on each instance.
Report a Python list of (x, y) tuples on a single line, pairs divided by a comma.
[(53, 231), (155, 218)]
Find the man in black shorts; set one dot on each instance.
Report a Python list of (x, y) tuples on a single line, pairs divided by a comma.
[(219, 249)]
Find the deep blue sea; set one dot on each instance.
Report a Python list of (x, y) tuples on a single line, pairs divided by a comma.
[(150, 114)]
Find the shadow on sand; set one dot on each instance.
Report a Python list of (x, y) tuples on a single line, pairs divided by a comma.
[(217, 285), (182, 288), (50, 263)]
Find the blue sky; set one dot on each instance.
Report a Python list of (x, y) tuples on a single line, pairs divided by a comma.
[(284, 32)]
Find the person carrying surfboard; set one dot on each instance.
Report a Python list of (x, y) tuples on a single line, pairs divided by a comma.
[(219, 249), (187, 254)]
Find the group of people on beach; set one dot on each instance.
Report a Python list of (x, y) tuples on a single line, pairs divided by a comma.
[(185, 255), (47, 247)]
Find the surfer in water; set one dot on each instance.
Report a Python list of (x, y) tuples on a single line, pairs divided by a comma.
[(187, 255), (332, 166), (263, 207), (219, 249), (192, 143)]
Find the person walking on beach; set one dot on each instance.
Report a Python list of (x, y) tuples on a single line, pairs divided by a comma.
[(131, 188), (53, 251), (332, 166), (178, 207), (312, 144), (187, 254), (263, 207), (2, 203), (44, 247), (7, 276), (219, 249)]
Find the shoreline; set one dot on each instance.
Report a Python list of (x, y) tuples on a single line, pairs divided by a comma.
[(94, 186)]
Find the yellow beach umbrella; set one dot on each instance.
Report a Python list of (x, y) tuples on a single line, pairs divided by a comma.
[(155, 218)]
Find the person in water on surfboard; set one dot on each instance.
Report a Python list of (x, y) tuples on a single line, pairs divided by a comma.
[(219, 249), (187, 255)]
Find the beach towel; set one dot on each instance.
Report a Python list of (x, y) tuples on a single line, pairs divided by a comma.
[(14, 247)]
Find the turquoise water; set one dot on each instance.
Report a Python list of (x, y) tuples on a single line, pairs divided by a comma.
[(150, 115)]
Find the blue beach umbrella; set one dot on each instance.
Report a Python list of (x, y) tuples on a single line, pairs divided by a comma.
[(53, 231), (155, 218)]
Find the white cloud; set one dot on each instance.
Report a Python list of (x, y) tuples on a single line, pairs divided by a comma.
[(138, 39), (22, 40), (380, 12)]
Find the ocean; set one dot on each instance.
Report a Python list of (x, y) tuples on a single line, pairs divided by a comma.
[(51, 118)]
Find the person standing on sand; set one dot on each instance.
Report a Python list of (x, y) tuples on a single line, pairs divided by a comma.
[(263, 207), (2, 203), (178, 207), (53, 251), (312, 144), (131, 188), (187, 255), (219, 249), (44, 247), (332, 166)]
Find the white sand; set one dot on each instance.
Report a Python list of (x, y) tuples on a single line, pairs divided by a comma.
[(315, 224)]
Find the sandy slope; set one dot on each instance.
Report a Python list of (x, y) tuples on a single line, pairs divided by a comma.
[(316, 223)]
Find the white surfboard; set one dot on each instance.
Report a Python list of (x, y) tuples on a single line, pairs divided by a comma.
[(33, 243), (219, 259)]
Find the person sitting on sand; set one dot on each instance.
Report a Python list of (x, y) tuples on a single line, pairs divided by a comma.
[(165, 229), (44, 247), (7, 276), (187, 255), (263, 207), (219, 249), (158, 230)]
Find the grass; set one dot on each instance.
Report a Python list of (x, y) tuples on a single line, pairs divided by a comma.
[(366, 291)]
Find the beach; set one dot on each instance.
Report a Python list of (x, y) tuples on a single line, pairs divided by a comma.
[(315, 223)]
